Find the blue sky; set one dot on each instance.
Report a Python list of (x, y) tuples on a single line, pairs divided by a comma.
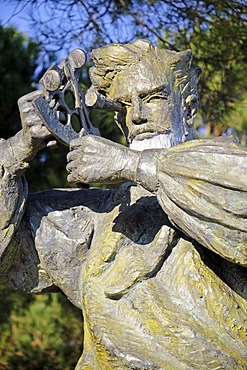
[(17, 16), (20, 20)]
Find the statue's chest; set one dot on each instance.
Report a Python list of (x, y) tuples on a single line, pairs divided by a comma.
[(128, 245)]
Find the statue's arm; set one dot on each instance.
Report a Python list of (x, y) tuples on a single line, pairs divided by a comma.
[(201, 185), (95, 159), (15, 155)]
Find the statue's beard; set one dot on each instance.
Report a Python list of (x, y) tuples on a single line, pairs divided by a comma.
[(159, 141)]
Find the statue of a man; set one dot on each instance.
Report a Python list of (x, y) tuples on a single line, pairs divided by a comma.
[(158, 266)]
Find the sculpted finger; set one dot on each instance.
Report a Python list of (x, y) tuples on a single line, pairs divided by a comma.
[(90, 149), (71, 166), (76, 143), (77, 156), (68, 167), (40, 131), (88, 141), (25, 105), (29, 98), (71, 156), (97, 141), (72, 178), (85, 175)]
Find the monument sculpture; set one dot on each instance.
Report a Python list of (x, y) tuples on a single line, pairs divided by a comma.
[(158, 266)]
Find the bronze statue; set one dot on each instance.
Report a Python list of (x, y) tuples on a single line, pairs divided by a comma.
[(158, 266)]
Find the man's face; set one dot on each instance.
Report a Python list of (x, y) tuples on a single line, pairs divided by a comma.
[(152, 114)]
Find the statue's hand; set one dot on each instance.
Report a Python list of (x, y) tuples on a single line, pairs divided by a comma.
[(34, 132), (95, 159)]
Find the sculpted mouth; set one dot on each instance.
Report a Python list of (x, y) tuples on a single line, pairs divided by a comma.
[(152, 140), (157, 140), (145, 135)]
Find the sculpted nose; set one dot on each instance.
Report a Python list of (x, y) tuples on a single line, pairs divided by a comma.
[(136, 111)]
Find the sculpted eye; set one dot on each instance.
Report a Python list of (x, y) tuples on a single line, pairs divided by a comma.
[(156, 96)]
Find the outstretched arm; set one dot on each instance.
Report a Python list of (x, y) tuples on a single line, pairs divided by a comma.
[(201, 185)]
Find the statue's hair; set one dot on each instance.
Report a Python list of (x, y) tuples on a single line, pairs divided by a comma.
[(109, 60)]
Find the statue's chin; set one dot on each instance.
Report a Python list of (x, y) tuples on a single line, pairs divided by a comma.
[(159, 141)]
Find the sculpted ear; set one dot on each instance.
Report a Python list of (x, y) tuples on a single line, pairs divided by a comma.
[(192, 107)]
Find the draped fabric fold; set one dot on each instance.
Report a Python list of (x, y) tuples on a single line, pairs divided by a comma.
[(203, 190)]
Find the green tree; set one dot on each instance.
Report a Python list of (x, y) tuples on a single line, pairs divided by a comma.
[(18, 61), (41, 332), (220, 50), (237, 120)]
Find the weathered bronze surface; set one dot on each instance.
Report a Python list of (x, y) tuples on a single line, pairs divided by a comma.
[(158, 266)]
